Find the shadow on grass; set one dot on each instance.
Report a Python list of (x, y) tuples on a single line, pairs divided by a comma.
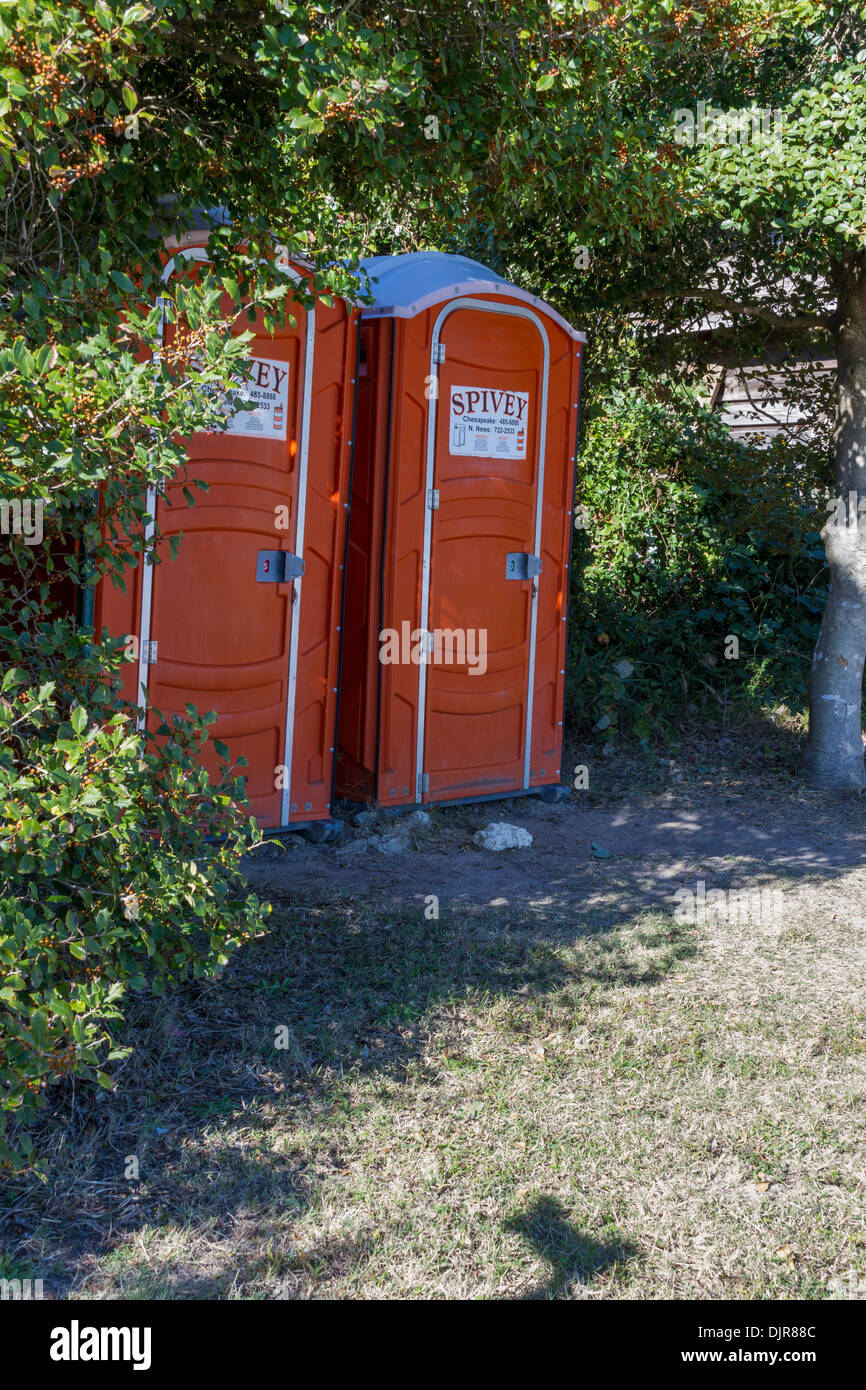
[(574, 1258), (223, 1074), (354, 981)]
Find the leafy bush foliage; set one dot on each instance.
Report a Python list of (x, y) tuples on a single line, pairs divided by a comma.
[(689, 538), (118, 868), (118, 859)]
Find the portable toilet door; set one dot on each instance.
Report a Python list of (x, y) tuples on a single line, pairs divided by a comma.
[(463, 493), (245, 620)]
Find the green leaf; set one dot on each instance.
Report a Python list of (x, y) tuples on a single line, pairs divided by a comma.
[(121, 279)]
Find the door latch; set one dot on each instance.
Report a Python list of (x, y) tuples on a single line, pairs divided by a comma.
[(278, 566), (522, 564)]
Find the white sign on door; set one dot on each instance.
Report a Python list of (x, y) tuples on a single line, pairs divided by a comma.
[(486, 422), (267, 388)]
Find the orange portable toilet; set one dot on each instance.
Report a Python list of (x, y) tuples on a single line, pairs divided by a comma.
[(245, 620), (454, 643)]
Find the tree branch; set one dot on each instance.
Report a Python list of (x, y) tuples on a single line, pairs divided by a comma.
[(223, 55), (243, 19), (736, 306)]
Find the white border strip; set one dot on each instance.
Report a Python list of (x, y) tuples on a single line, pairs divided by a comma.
[(470, 287), (141, 694), (536, 583), (303, 467), (517, 312), (195, 253)]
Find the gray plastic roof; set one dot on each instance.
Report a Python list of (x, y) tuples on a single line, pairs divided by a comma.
[(404, 286)]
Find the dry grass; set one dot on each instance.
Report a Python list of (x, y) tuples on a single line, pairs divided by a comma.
[(510, 1102)]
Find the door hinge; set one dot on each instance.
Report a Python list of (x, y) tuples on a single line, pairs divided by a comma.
[(433, 499), (149, 652), (439, 355), (423, 784)]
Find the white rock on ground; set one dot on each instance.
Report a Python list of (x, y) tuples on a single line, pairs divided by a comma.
[(419, 818), (500, 835)]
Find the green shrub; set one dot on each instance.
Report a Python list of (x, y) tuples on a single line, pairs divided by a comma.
[(118, 869), (690, 538), (118, 859)]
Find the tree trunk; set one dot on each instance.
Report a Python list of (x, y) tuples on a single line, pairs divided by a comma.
[(834, 754)]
